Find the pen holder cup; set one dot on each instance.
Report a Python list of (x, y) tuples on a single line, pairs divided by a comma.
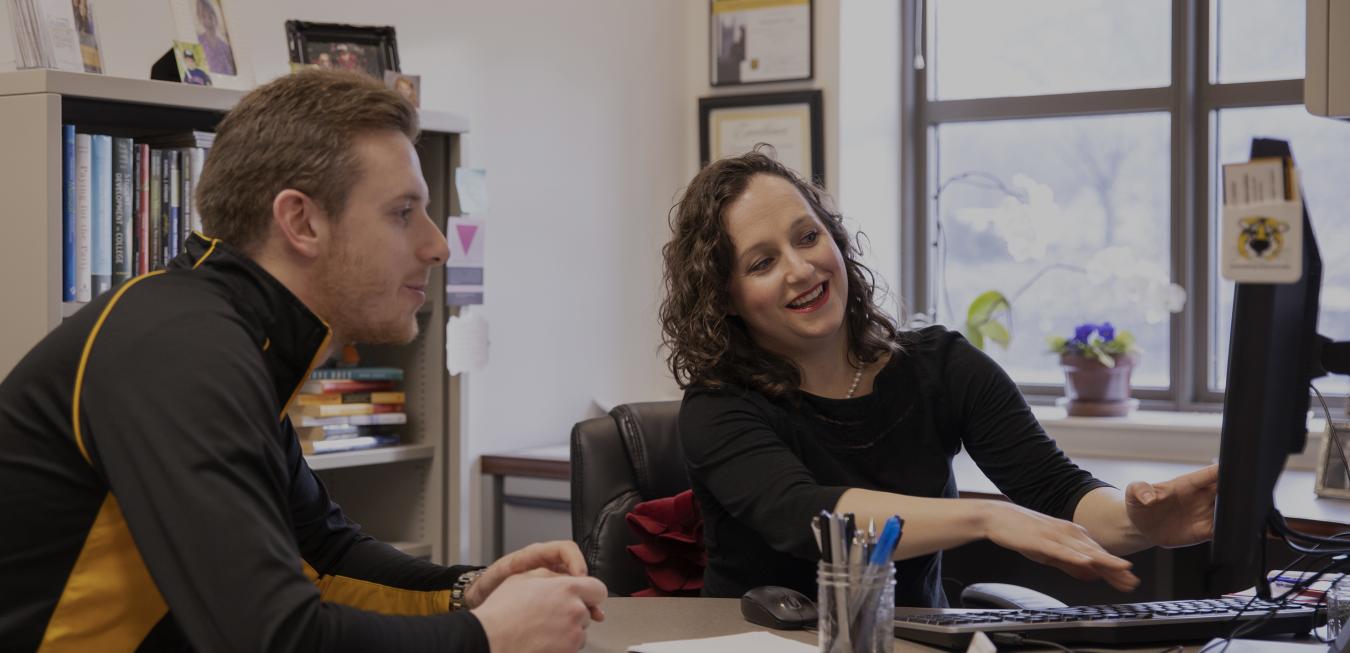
[(856, 607)]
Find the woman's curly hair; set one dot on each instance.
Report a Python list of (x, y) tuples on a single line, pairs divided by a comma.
[(708, 346)]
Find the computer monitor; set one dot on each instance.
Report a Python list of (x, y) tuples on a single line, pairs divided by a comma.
[(1273, 355)]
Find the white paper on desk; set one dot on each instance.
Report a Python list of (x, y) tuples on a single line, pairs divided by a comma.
[(466, 342), (471, 186), (1262, 646), (756, 642)]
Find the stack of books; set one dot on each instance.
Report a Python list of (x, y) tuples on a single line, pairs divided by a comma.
[(128, 205), (349, 408)]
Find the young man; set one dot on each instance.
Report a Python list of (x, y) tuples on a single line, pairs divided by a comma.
[(152, 491)]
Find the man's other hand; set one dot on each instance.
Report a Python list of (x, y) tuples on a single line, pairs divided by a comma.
[(540, 612)]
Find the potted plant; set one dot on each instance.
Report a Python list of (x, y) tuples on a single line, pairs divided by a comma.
[(1097, 361)]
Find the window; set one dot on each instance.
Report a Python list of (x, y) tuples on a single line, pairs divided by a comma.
[(1060, 151)]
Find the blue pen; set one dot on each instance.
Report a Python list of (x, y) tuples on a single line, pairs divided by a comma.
[(890, 536)]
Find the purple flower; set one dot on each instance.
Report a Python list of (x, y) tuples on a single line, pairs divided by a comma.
[(1082, 332), (1106, 331)]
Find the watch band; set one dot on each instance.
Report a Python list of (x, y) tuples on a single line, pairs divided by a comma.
[(461, 588)]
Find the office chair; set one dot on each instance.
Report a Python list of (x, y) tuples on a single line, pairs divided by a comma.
[(634, 455), (618, 461)]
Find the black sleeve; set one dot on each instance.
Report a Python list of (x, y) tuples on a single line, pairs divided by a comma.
[(1004, 438), (178, 417), (733, 451), (338, 551)]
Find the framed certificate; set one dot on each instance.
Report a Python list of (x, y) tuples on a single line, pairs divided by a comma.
[(755, 41), (730, 125)]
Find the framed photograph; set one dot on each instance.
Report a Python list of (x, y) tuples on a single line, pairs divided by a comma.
[(729, 125), (409, 86), (1332, 479), (756, 41), (370, 50), (204, 22), (189, 57)]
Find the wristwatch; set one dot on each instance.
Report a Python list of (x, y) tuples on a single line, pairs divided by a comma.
[(461, 588)]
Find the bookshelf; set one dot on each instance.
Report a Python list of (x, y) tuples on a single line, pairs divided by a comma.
[(399, 494)]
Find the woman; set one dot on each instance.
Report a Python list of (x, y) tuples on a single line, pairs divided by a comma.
[(801, 395)]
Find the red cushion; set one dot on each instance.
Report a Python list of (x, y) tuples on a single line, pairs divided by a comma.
[(670, 544)]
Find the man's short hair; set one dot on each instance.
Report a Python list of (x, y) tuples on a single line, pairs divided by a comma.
[(293, 133)]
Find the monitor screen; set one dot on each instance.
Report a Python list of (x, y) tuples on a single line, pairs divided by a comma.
[(1271, 357)]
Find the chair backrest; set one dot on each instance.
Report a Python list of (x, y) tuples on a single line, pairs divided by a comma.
[(627, 457)]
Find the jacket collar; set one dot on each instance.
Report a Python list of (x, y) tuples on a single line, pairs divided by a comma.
[(292, 339)]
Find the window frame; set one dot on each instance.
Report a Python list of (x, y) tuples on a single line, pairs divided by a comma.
[(1191, 100)]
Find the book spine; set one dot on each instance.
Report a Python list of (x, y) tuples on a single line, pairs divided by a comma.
[(175, 203), (359, 373), (165, 236), (152, 218), (124, 207), (68, 202), (100, 243), (142, 208), (196, 159), (83, 216)]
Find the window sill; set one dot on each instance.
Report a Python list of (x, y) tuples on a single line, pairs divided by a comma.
[(1163, 436)]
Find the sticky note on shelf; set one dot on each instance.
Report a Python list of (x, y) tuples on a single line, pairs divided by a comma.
[(471, 187)]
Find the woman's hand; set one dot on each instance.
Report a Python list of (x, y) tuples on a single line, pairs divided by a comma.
[(1179, 512), (1057, 543)]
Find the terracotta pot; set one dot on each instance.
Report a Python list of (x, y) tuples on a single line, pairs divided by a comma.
[(1095, 390)]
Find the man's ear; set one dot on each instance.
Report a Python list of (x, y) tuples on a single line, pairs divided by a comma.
[(302, 224)]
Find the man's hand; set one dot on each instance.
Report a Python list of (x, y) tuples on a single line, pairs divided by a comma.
[(540, 612), (560, 557), (1175, 513)]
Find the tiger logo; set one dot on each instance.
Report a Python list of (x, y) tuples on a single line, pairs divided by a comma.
[(1261, 238)]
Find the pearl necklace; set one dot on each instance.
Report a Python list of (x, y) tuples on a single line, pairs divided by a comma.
[(857, 376)]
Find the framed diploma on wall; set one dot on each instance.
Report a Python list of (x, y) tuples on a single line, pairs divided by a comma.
[(729, 125), (755, 41)]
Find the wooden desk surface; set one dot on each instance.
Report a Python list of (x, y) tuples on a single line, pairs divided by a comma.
[(630, 621)]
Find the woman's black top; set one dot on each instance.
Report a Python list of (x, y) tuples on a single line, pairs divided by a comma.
[(760, 468)]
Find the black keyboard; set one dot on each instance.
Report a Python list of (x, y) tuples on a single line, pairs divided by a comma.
[(1127, 623)]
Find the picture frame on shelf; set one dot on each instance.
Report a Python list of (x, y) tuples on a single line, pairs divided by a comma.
[(369, 50), (1332, 480), (791, 122), (409, 86), (189, 58), (760, 41), (205, 22)]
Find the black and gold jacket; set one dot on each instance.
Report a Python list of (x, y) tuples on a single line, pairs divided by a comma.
[(153, 495)]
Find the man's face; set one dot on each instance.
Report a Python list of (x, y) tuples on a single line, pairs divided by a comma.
[(373, 276)]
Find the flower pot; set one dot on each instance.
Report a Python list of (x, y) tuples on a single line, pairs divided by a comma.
[(1095, 390)]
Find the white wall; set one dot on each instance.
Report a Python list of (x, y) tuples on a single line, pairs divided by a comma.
[(576, 110), (856, 48)]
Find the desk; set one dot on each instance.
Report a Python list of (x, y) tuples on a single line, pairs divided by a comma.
[(631, 621), (538, 486)]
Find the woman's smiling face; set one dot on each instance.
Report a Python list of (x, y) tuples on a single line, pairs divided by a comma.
[(787, 275)]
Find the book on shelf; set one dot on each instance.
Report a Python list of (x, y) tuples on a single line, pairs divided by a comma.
[(344, 386), (375, 419), (140, 245), (327, 399), (100, 231), (334, 410), (314, 447), (123, 208), (338, 431), (68, 200), (358, 373), (84, 216)]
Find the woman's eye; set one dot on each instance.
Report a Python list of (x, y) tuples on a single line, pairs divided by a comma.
[(810, 237), (762, 264)]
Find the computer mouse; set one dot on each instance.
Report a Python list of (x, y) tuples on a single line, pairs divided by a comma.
[(779, 608)]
